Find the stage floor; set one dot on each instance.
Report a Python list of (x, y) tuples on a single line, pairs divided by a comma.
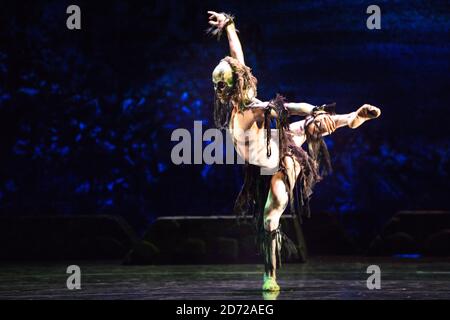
[(320, 278)]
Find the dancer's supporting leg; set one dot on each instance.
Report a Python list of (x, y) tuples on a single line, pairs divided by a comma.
[(276, 203)]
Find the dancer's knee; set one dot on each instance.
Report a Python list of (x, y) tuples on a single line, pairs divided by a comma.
[(271, 223), (276, 203), (279, 195)]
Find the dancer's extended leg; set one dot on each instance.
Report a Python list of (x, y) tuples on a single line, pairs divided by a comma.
[(278, 197), (352, 120)]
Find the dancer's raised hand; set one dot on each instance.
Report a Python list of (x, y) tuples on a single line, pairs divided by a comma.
[(217, 20)]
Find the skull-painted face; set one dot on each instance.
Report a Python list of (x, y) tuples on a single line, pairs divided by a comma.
[(234, 87), (222, 78)]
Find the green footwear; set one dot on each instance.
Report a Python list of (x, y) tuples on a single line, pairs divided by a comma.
[(270, 284), (270, 295)]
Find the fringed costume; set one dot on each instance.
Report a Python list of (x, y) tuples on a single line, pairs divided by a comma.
[(314, 165)]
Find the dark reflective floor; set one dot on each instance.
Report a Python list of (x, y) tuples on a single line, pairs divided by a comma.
[(320, 278)]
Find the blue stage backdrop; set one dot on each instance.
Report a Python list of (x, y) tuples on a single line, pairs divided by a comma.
[(86, 116)]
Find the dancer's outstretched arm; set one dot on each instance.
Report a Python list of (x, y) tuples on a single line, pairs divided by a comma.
[(299, 108), (220, 21), (294, 108)]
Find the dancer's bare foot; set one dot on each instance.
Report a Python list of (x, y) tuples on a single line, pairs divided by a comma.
[(366, 112)]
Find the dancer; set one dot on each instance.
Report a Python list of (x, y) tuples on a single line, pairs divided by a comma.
[(293, 171)]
